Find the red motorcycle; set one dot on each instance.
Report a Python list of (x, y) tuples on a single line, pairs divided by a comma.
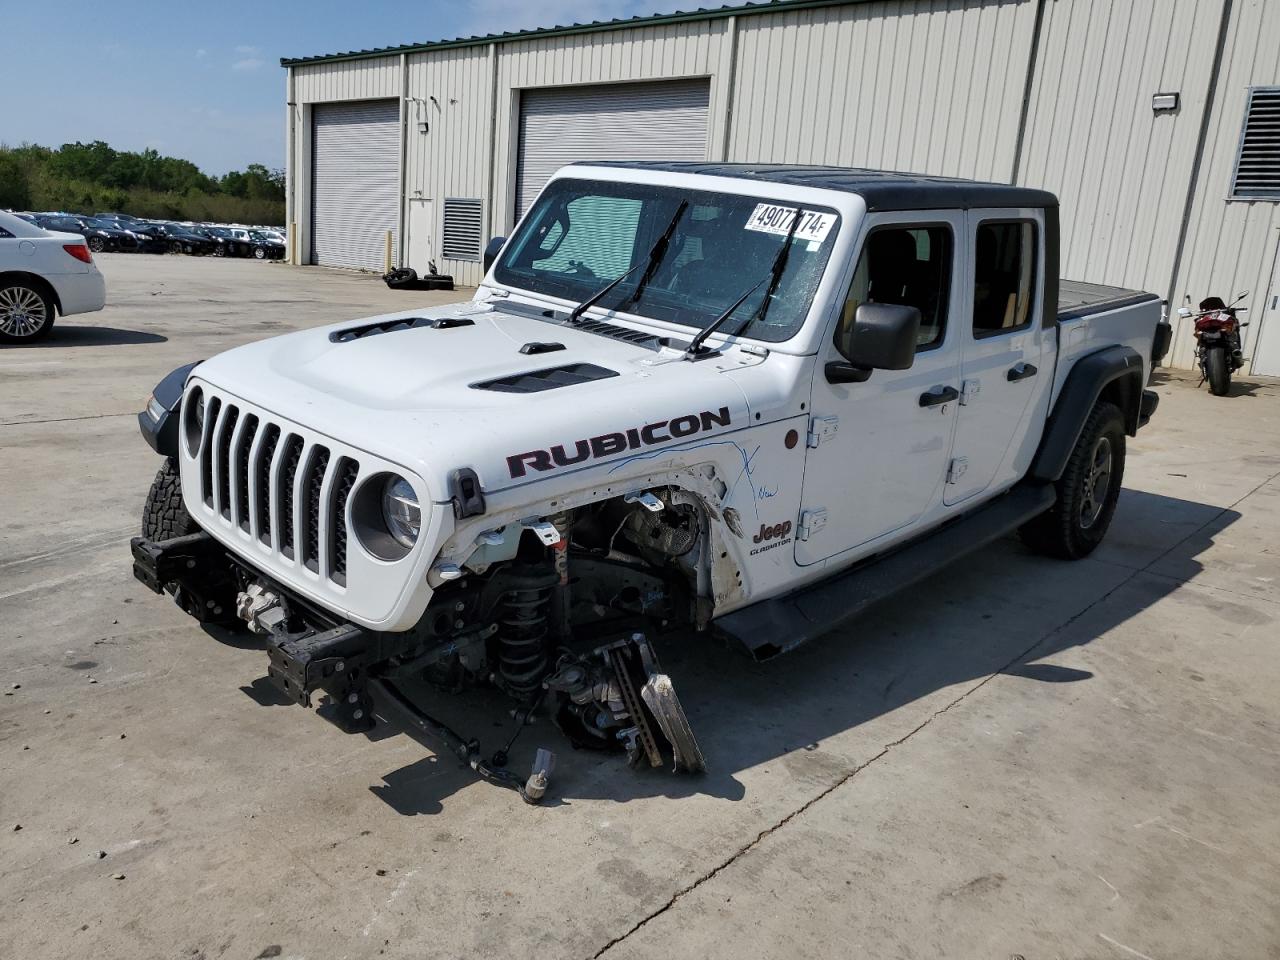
[(1217, 333)]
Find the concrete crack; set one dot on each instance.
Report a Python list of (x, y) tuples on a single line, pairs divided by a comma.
[(826, 792), (88, 416)]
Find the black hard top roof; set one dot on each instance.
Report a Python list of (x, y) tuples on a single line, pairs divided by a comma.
[(880, 189)]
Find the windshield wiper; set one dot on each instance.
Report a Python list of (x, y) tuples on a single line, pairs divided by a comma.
[(696, 343), (656, 254), (596, 297), (775, 275)]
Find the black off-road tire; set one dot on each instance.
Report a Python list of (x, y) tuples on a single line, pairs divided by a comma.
[(1076, 524), (164, 517), (1218, 371)]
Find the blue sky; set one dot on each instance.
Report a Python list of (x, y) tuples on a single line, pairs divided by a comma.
[(203, 81)]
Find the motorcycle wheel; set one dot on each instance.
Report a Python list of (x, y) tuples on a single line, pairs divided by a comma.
[(1218, 372)]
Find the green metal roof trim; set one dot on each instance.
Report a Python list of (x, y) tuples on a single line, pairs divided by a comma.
[(597, 26)]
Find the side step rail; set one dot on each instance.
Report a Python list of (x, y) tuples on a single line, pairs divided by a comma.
[(771, 627)]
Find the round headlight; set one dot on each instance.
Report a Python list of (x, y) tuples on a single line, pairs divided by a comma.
[(400, 511)]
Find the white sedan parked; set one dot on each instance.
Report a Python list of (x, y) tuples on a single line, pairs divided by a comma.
[(43, 274)]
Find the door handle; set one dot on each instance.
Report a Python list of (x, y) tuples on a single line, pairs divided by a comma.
[(939, 395), (1020, 371)]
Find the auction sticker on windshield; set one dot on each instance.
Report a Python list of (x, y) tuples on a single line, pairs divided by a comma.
[(814, 225)]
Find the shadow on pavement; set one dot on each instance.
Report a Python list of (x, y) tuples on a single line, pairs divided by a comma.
[(71, 335), (1000, 611)]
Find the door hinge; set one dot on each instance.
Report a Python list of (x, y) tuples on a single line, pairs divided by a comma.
[(968, 390), (822, 428), (956, 469), (811, 521)]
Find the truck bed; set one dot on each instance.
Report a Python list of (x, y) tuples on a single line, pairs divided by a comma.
[(1079, 299)]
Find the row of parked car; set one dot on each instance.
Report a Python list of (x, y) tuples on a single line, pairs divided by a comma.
[(120, 232)]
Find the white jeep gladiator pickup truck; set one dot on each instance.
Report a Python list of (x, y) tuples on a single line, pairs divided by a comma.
[(688, 397)]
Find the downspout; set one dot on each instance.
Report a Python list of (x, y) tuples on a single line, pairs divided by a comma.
[(290, 171), (1033, 60), (1218, 49), (732, 74), (404, 152), (494, 229)]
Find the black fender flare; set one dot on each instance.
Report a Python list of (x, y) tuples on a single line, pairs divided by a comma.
[(159, 421), (1115, 370)]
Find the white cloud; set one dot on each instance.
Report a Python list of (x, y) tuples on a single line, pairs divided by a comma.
[(201, 53), (246, 50), (249, 63)]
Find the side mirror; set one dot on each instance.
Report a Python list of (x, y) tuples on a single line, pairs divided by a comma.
[(491, 251), (883, 337)]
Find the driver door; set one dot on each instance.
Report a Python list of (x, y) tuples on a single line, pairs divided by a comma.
[(879, 450)]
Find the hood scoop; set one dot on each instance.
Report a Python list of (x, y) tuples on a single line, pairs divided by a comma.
[(400, 323), (550, 378)]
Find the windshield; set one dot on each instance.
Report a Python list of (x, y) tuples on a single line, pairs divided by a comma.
[(581, 234)]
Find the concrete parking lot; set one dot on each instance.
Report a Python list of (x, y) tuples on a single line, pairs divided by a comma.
[(1024, 758)]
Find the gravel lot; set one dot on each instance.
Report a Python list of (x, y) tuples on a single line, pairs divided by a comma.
[(1025, 758)]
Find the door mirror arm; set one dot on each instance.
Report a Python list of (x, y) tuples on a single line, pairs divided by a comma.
[(841, 371)]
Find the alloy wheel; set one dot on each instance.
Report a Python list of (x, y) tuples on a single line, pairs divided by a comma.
[(1097, 482), (22, 311)]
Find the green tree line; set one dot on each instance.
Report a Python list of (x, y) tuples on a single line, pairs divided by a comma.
[(95, 177)]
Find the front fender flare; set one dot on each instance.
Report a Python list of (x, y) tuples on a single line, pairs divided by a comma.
[(158, 422), (1116, 370)]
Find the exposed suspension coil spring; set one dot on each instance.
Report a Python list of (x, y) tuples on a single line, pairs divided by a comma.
[(522, 639)]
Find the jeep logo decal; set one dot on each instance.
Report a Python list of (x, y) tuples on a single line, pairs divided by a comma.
[(769, 533), (607, 444)]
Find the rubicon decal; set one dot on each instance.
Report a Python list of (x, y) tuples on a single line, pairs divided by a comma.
[(607, 444)]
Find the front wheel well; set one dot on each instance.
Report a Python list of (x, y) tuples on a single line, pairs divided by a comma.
[(36, 281)]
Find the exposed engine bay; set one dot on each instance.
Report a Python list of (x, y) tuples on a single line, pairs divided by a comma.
[(556, 613)]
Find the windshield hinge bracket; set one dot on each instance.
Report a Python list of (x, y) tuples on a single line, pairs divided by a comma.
[(822, 429)]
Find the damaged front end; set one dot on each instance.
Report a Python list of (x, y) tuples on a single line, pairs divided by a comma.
[(572, 647)]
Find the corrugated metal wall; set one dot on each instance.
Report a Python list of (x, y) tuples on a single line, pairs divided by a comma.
[(693, 49), (1120, 171), (372, 79), (1231, 246), (932, 86)]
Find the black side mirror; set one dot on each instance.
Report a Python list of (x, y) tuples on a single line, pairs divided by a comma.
[(491, 251), (883, 338)]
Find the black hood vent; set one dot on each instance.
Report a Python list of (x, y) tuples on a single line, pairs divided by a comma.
[(551, 378), (400, 323)]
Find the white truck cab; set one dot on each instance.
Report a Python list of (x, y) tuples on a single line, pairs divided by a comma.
[(687, 397)]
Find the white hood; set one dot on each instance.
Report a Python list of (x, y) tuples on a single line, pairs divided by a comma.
[(407, 394)]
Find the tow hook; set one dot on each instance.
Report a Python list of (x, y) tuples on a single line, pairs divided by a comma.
[(260, 608)]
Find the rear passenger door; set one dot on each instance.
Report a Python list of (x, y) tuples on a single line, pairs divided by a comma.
[(1005, 372)]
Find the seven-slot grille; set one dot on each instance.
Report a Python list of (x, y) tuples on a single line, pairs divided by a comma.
[(271, 484)]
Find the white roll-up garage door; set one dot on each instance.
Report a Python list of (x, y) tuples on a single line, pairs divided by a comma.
[(355, 182), (665, 120)]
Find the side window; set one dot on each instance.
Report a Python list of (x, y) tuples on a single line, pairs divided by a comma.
[(903, 265), (5, 234), (1004, 276)]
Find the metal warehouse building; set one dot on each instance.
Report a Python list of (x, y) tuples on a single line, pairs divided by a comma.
[(1157, 123)]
